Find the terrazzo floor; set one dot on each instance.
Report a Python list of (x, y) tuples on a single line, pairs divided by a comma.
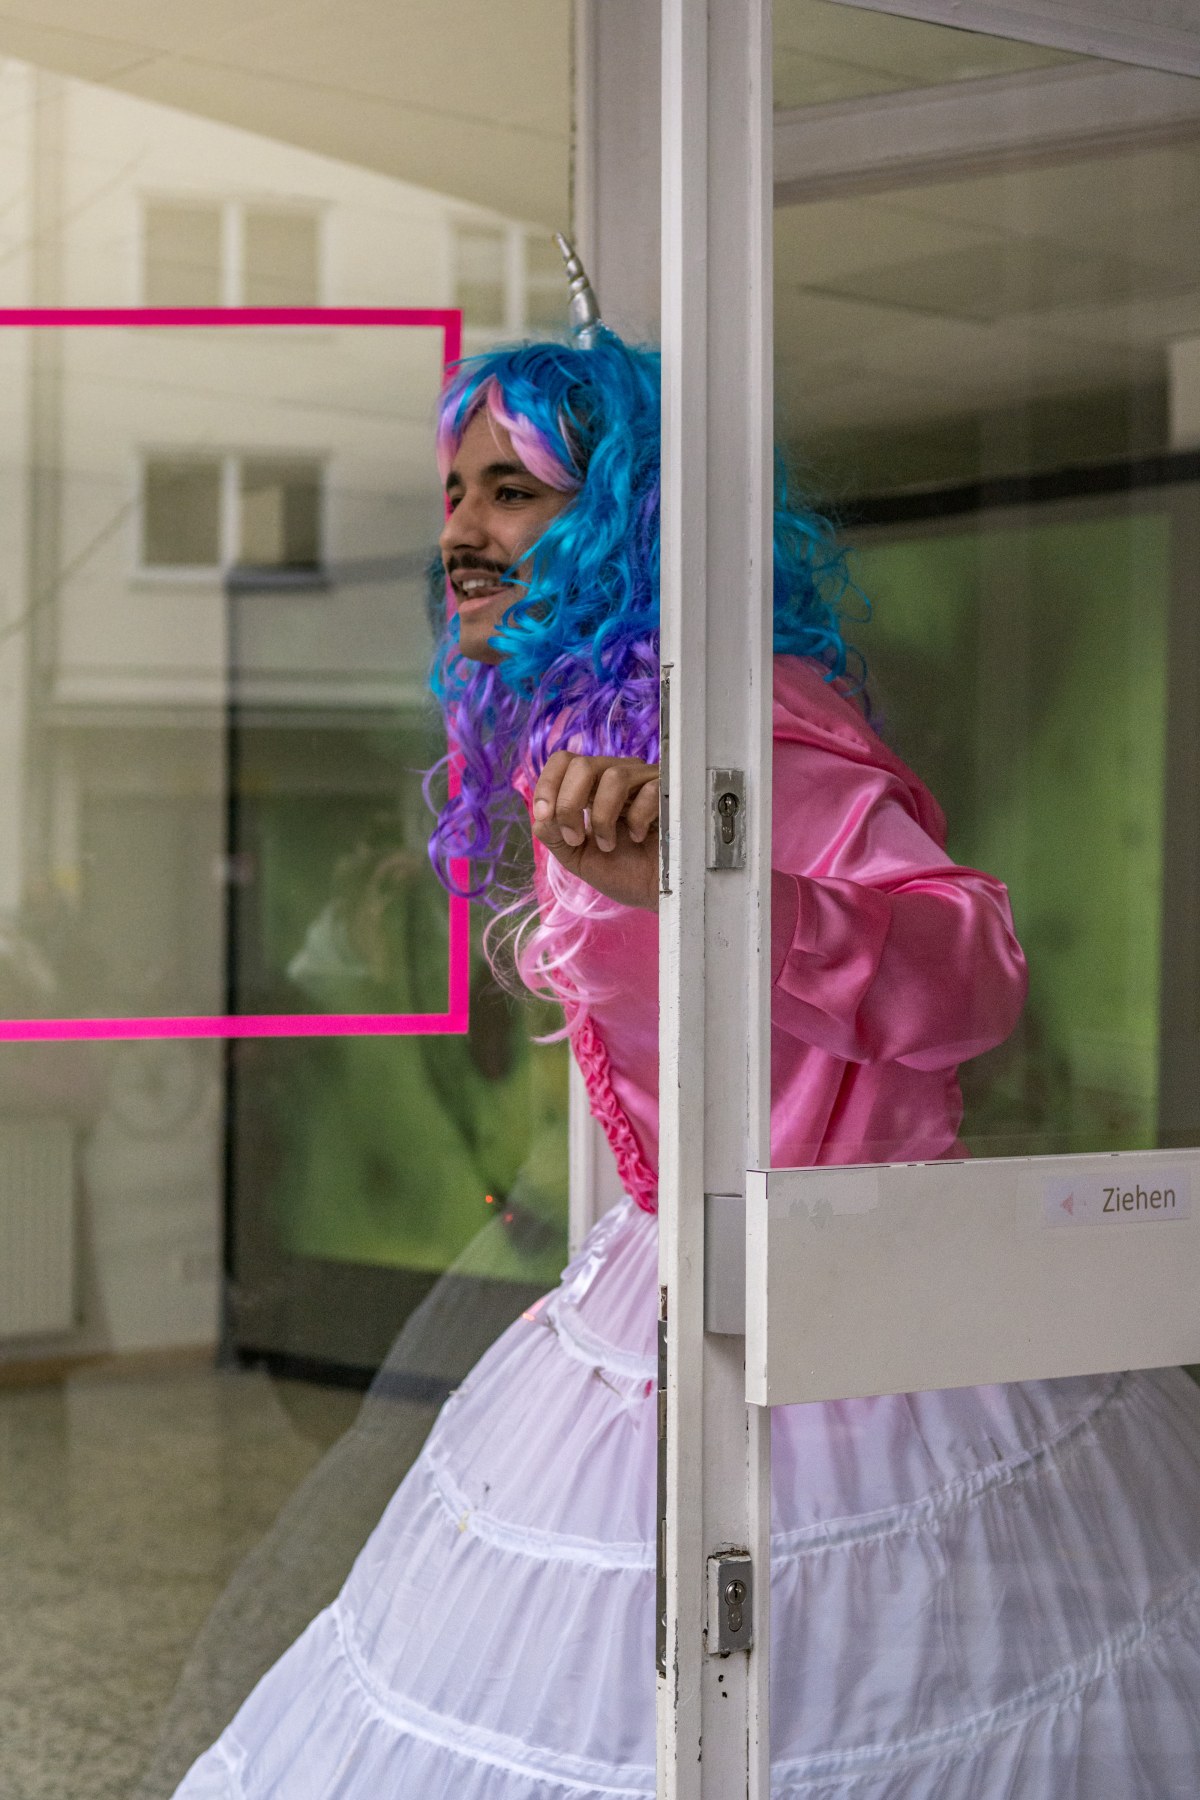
[(127, 1501)]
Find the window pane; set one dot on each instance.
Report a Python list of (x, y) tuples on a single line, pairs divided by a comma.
[(281, 258), (182, 251), (210, 804), (987, 362), (181, 514), (479, 275), (280, 514)]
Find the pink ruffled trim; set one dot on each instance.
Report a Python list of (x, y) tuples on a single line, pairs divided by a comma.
[(637, 1177)]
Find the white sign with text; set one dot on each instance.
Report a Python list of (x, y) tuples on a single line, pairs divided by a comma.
[(1115, 1197)]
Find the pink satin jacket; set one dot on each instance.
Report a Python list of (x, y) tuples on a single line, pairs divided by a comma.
[(890, 964)]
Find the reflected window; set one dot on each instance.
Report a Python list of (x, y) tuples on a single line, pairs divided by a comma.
[(181, 247), (230, 254), (480, 258), (507, 278), (260, 515), (280, 514), (181, 513), (280, 255), (544, 307)]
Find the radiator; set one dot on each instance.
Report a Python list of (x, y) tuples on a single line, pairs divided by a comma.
[(37, 1227)]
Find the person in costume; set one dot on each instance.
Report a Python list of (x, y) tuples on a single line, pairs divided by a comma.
[(980, 1594)]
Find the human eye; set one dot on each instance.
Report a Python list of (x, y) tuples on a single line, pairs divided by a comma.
[(509, 493)]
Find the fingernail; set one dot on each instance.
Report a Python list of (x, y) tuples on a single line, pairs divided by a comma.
[(572, 837), (541, 808), (605, 843)]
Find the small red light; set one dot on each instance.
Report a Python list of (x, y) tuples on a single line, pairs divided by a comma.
[(490, 1199)]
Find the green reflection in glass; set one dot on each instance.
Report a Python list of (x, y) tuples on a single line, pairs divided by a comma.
[(1022, 672), (381, 1150)]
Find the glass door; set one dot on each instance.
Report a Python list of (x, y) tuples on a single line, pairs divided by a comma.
[(987, 369), (986, 311)]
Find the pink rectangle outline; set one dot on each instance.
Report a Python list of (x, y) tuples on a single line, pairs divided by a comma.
[(454, 1020)]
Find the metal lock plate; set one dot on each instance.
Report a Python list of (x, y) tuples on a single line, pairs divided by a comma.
[(664, 779), (725, 1264), (730, 1602), (726, 819)]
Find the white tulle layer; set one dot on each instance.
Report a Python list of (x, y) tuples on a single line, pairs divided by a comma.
[(982, 1594)]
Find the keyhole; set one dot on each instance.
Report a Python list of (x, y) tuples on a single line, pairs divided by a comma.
[(727, 807), (735, 1593)]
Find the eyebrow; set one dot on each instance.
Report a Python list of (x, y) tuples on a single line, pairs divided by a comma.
[(493, 472)]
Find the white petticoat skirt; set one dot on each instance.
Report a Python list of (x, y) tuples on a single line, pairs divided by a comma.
[(980, 1594)]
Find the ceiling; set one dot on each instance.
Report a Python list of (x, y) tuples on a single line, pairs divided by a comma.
[(468, 97), (913, 321), (827, 52)]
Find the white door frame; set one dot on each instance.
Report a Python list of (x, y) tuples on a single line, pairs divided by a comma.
[(714, 1035)]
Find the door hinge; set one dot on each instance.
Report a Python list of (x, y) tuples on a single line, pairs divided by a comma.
[(660, 1529)]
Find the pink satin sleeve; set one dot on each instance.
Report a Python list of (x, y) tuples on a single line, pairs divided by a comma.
[(883, 950)]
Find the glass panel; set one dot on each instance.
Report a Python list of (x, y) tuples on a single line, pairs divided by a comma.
[(216, 625), (1050, 757), (987, 315), (986, 344)]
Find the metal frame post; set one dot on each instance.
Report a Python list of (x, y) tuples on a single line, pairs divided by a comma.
[(714, 1094), (614, 173)]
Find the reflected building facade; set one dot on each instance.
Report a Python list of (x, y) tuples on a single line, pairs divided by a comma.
[(214, 661)]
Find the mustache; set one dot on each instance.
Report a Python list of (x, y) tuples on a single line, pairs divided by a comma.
[(481, 564)]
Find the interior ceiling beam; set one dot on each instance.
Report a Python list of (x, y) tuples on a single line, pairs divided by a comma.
[(962, 128), (1156, 34)]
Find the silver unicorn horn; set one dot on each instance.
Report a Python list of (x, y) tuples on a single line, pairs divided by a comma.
[(586, 323)]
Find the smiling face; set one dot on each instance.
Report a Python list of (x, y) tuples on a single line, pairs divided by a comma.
[(498, 509)]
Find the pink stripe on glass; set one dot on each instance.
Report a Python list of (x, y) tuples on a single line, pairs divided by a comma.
[(448, 321)]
